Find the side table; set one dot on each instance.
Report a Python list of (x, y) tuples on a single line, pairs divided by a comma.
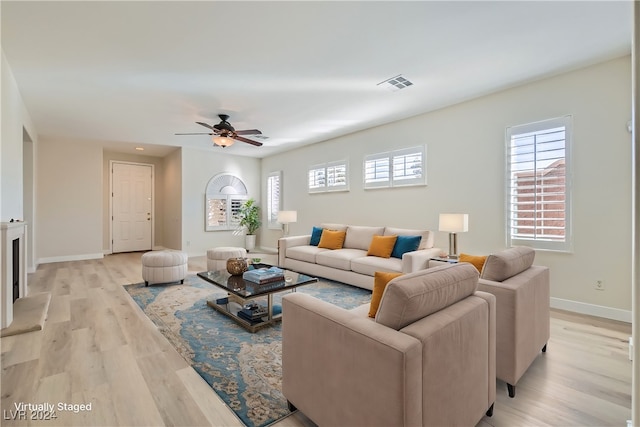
[(438, 261)]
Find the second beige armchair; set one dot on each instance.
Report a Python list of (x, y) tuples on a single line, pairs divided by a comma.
[(522, 310), (427, 359)]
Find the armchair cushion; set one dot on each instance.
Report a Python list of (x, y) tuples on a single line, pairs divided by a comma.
[(411, 297), (508, 263), (380, 281)]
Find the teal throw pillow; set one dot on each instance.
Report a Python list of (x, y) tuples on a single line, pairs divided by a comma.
[(405, 244), (315, 236)]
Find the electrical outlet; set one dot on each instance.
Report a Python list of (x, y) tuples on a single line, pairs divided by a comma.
[(599, 285), (188, 243)]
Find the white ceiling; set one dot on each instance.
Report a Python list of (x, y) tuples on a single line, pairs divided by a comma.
[(131, 74)]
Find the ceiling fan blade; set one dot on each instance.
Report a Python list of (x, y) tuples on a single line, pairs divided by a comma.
[(206, 125), (248, 141), (198, 133), (248, 132)]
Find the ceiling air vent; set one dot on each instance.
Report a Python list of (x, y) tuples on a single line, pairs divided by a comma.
[(395, 83)]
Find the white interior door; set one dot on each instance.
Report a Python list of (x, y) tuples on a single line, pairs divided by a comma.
[(131, 207)]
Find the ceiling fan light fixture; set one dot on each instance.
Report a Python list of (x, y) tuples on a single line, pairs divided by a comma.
[(223, 141)]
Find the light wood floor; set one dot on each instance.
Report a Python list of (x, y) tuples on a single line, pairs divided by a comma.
[(97, 346)]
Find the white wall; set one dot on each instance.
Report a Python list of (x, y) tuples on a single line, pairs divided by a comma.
[(70, 201), (465, 173), (17, 157), (199, 166), (14, 118), (172, 223)]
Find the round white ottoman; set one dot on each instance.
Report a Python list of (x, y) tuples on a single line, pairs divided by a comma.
[(164, 266), (217, 257)]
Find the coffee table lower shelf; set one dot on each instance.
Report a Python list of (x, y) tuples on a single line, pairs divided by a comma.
[(251, 327)]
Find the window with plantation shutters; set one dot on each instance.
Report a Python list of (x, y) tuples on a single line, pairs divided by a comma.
[(538, 185), (224, 195), (274, 200), (332, 176), (395, 168)]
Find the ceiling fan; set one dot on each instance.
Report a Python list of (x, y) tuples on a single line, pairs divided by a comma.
[(225, 135)]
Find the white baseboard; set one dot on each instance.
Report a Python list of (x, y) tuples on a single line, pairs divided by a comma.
[(592, 309), (82, 257)]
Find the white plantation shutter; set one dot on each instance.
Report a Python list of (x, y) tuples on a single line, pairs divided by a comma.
[(395, 168), (336, 173), (538, 190), (408, 166), (377, 170), (224, 195), (333, 176), (317, 181), (274, 200)]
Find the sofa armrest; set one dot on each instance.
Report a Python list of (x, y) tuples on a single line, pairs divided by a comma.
[(418, 260), (322, 343), (289, 242)]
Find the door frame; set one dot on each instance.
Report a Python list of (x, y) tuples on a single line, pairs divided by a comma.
[(153, 199)]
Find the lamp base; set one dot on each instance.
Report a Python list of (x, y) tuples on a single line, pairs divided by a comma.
[(453, 246)]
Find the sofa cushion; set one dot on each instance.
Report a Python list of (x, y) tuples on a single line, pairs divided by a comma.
[(368, 265), (427, 236), (304, 253), (411, 297), (405, 244), (316, 233), (477, 260), (359, 237), (382, 246), (380, 281), (333, 226), (502, 265), (340, 258), (332, 239)]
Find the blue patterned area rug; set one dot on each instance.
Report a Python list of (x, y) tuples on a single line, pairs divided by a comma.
[(244, 369)]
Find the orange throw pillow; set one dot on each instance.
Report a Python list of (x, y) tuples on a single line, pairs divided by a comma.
[(380, 280), (382, 246), (477, 260), (332, 239)]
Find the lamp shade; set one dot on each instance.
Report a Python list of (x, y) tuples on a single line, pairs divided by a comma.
[(223, 141), (287, 217), (454, 223)]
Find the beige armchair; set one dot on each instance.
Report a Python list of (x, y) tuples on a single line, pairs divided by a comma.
[(522, 312), (427, 359)]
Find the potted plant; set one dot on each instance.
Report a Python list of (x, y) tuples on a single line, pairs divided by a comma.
[(249, 217)]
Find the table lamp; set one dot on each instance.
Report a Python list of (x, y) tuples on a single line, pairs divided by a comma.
[(453, 223), (287, 217)]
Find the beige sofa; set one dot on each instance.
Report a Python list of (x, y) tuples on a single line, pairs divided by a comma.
[(427, 359), (351, 264), (523, 314)]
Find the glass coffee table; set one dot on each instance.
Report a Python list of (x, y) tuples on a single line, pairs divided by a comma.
[(240, 292)]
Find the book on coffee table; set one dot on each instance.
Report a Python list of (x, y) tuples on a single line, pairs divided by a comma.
[(264, 275), (253, 311)]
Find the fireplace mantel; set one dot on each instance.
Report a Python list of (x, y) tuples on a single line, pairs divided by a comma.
[(11, 231)]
